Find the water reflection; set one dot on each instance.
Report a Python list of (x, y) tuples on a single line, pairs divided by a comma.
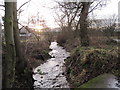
[(51, 72)]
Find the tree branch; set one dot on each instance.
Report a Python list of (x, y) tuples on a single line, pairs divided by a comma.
[(95, 6), (23, 5), (29, 30), (2, 5)]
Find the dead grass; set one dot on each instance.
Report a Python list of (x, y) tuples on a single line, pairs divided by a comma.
[(87, 63), (31, 47), (99, 39)]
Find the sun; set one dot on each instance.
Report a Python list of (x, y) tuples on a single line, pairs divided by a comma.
[(39, 27)]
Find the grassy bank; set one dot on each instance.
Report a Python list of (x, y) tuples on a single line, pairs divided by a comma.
[(86, 63)]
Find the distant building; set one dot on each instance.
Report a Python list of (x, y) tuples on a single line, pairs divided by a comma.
[(101, 23), (24, 32), (56, 29)]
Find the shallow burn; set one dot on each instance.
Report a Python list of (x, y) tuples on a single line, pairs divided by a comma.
[(50, 74)]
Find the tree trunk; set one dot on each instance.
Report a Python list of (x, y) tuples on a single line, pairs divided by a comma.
[(23, 72), (83, 24), (21, 62), (9, 67)]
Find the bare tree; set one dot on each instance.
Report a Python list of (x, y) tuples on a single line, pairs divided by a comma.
[(70, 11), (21, 62), (83, 24), (14, 63), (109, 26), (9, 68), (78, 12)]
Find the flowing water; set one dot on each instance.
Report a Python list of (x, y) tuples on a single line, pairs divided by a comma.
[(51, 73)]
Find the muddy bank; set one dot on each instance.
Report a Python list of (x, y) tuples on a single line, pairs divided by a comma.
[(87, 63)]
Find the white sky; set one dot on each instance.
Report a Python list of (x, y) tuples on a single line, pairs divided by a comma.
[(110, 9), (43, 7)]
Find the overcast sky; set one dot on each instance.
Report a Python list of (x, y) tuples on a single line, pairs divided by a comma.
[(45, 11)]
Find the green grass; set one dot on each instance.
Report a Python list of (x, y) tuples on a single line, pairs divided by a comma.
[(100, 81), (92, 83)]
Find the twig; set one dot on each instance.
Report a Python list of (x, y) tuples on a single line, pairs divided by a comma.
[(2, 5), (23, 5)]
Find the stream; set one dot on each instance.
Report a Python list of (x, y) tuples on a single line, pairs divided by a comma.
[(51, 73)]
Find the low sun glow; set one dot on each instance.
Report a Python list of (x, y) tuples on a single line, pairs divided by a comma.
[(38, 28)]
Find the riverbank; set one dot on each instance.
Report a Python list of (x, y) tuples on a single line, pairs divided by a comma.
[(35, 53), (86, 63)]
